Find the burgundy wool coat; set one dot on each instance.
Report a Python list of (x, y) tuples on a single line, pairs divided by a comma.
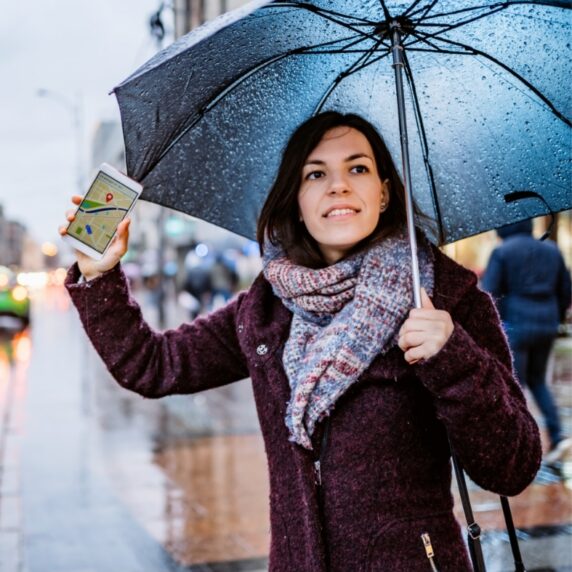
[(385, 465)]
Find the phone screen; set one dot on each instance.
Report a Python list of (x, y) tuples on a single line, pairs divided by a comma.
[(104, 206)]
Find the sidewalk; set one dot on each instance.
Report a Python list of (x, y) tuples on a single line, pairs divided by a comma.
[(543, 512), (12, 396), (95, 479)]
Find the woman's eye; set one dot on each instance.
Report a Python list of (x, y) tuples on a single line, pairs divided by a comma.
[(360, 169), (314, 175)]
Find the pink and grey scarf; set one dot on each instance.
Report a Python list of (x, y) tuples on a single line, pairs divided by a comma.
[(344, 316)]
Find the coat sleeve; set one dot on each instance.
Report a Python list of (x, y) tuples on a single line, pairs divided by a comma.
[(493, 277), (196, 356), (479, 401), (563, 288)]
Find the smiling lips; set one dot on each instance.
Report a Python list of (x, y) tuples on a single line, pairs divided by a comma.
[(340, 212)]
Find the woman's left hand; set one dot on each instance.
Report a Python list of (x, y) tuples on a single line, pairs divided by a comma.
[(425, 331)]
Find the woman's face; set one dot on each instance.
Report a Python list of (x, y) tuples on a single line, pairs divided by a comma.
[(341, 193)]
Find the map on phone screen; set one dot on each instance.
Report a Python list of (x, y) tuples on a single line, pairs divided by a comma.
[(102, 209)]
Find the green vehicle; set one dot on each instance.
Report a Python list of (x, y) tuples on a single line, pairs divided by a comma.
[(14, 302)]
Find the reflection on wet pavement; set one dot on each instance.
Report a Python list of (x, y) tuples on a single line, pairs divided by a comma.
[(15, 350), (180, 483), (213, 485), (221, 513), (192, 470), (543, 512)]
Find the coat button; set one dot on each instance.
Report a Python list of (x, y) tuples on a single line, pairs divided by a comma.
[(262, 349), (240, 328)]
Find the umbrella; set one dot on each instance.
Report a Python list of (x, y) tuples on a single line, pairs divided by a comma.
[(486, 103), (473, 95)]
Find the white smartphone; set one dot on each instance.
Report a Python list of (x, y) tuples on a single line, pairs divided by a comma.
[(108, 201)]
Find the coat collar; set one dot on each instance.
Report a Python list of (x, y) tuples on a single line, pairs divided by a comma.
[(263, 322)]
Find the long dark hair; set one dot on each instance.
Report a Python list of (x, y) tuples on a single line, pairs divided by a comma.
[(279, 219)]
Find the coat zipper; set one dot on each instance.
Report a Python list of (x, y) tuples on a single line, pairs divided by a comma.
[(320, 487), (426, 539)]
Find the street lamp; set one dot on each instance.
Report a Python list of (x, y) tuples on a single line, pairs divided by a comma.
[(157, 30), (74, 107)]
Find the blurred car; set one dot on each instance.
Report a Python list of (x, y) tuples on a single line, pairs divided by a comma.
[(14, 302)]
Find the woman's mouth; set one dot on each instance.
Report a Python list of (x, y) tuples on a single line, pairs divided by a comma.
[(340, 212)]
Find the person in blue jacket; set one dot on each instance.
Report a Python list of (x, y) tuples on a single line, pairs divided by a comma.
[(533, 290)]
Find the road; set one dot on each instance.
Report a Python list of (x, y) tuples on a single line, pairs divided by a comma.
[(95, 479)]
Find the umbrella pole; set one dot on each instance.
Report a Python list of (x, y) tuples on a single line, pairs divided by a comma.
[(397, 51)]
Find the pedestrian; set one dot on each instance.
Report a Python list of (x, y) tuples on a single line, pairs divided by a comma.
[(197, 283), (224, 280), (532, 286), (356, 392)]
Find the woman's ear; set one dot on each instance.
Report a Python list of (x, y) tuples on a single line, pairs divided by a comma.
[(385, 186)]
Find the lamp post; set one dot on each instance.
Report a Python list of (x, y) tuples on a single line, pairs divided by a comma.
[(157, 30), (74, 108)]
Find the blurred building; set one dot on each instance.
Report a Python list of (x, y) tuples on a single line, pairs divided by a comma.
[(474, 252), (156, 227), (12, 237), (192, 13)]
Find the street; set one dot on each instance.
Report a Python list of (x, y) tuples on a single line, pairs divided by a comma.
[(95, 479)]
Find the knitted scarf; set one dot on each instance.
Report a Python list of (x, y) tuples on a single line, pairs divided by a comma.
[(344, 316)]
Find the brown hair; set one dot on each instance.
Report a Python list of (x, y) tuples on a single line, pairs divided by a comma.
[(279, 219)]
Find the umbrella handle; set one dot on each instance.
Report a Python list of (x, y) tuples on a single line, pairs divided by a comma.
[(397, 50)]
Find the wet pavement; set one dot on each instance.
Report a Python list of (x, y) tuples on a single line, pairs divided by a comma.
[(96, 479)]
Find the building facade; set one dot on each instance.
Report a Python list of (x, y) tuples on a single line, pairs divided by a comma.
[(12, 240)]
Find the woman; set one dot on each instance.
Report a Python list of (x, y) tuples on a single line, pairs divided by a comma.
[(355, 391)]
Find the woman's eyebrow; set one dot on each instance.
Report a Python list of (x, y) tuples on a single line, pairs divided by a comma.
[(358, 156), (346, 160)]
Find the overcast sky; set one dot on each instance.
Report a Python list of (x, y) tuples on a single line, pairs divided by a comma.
[(73, 48)]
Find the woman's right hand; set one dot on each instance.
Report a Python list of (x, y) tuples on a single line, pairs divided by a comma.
[(89, 267)]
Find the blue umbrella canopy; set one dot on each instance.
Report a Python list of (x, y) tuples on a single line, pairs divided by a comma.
[(487, 99)]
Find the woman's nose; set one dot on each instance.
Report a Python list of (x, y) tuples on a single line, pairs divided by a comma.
[(339, 186)]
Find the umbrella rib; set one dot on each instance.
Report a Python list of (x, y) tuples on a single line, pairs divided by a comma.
[(502, 5), (424, 38), (424, 9), (536, 91), (326, 16), (409, 10), (341, 77), (424, 144), (190, 123), (435, 50), (299, 51), (449, 27), (319, 11), (386, 13), (365, 65)]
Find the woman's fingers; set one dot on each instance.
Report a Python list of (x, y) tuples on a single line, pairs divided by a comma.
[(70, 213), (421, 345), (425, 332), (411, 339), (123, 227), (122, 236), (425, 300), (119, 245), (415, 354), (89, 267)]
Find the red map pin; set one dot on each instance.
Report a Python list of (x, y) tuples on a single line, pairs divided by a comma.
[(108, 197)]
